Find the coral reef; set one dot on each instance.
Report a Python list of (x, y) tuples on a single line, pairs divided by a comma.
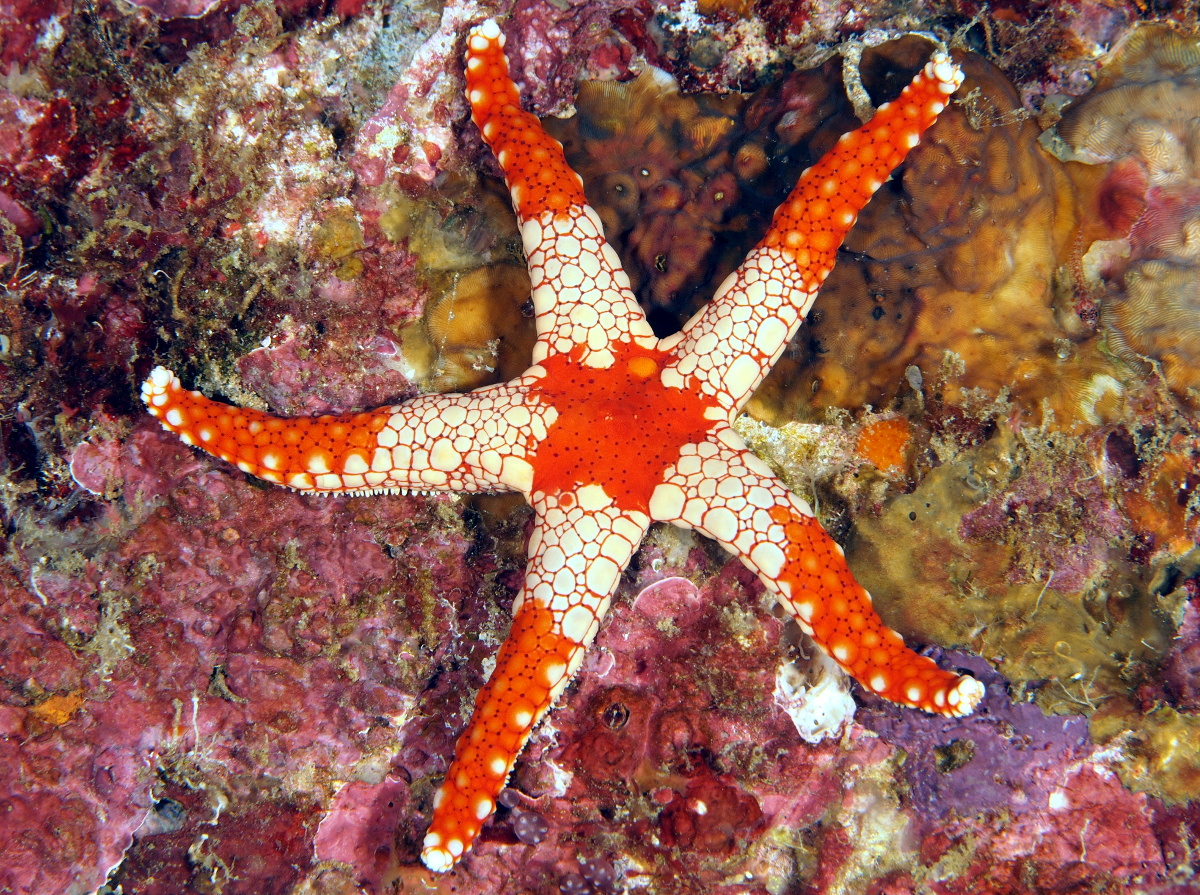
[(1023, 542), (1181, 668), (1139, 121), (998, 772), (685, 185), (960, 256), (211, 686), (203, 668)]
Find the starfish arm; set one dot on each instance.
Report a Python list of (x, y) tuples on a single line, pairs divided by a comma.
[(581, 295), (733, 343), (463, 442), (579, 546), (725, 492)]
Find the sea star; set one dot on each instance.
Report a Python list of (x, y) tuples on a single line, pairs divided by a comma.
[(610, 429)]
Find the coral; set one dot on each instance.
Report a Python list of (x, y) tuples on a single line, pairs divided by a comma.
[(1157, 319), (37, 139), (359, 826), (1019, 548), (409, 138), (29, 30), (1057, 497), (1139, 121), (262, 844), (1009, 771), (478, 329), (1181, 667), (555, 45), (685, 185), (205, 210), (1161, 506), (884, 443), (1160, 751), (958, 256), (1062, 847)]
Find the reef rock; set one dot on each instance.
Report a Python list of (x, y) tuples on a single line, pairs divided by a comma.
[(1140, 123)]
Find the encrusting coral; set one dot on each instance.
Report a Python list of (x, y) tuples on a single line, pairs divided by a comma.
[(958, 255), (1023, 543), (1140, 123)]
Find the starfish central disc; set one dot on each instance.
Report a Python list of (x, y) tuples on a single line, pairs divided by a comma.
[(619, 426)]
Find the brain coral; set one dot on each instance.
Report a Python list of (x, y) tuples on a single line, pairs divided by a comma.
[(1142, 120)]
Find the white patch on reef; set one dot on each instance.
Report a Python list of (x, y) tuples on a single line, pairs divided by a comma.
[(819, 703), (52, 34)]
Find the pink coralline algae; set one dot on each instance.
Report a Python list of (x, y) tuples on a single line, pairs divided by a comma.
[(1181, 668), (249, 657), (411, 137), (212, 686), (1045, 498), (37, 143)]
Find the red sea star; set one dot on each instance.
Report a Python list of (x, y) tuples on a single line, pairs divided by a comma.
[(609, 430)]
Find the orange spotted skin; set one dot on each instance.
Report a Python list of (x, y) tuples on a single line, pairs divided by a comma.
[(269, 447), (836, 611), (609, 430), (819, 212), (533, 161), (530, 662)]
